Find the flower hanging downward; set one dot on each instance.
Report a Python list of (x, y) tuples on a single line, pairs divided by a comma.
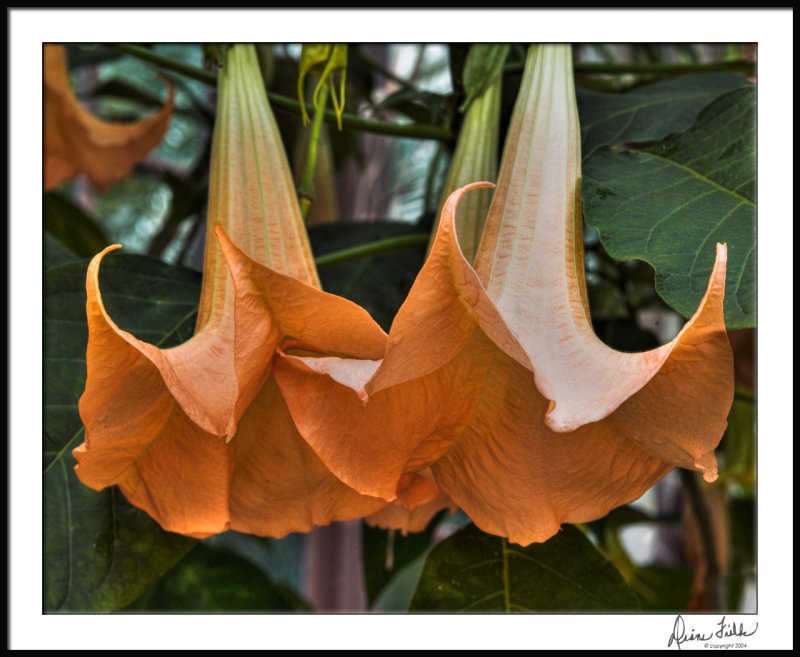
[(199, 435), (76, 141), (493, 377)]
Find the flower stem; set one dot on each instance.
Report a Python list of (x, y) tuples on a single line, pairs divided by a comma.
[(411, 130), (371, 249), (306, 191)]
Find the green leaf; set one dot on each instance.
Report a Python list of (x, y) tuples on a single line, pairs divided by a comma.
[(670, 203), (55, 253), (72, 226), (100, 553), (378, 283), (281, 560), (741, 571), (484, 63), (388, 552), (739, 444), (211, 580), (474, 571), (397, 594), (662, 588), (649, 112)]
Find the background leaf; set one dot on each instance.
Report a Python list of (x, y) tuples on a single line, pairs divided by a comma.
[(649, 112), (669, 203), (280, 559), (72, 226), (55, 253), (380, 283), (388, 552), (99, 552), (474, 571), (483, 65), (211, 580)]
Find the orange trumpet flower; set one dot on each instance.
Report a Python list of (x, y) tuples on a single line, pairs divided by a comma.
[(198, 435), (492, 377), (76, 141)]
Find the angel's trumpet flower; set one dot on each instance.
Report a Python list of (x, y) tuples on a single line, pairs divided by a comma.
[(493, 378), (199, 435), (76, 141)]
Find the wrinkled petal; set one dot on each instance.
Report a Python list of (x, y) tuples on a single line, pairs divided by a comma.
[(420, 499), (198, 435), (76, 141)]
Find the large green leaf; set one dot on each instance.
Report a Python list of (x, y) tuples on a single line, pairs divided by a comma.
[(474, 571), (649, 112), (670, 203), (211, 580), (99, 552), (55, 253)]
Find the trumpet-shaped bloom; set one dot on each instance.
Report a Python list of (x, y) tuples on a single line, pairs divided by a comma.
[(199, 435), (492, 377), (76, 141)]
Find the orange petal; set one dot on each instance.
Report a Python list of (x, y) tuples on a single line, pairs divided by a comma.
[(419, 501), (278, 484), (516, 478), (76, 141)]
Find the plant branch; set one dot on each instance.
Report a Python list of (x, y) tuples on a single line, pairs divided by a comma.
[(411, 130), (371, 249), (697, 503)]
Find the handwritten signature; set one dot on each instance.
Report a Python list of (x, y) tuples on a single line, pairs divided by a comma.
[(724, 630)]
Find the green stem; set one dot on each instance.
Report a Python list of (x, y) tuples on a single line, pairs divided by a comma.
[(412, 130), (371, 249), (147, 55), (306, 190)]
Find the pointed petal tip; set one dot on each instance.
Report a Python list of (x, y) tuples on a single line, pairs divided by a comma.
[(108, 249)]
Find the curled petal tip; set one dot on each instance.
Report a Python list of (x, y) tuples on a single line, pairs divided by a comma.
[(109, 249), (707, 464)]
